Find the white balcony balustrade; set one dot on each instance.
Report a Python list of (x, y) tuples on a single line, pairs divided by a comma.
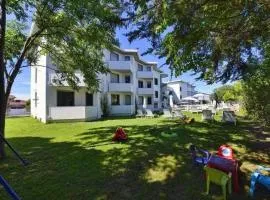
[(73, 112), (144, 74)]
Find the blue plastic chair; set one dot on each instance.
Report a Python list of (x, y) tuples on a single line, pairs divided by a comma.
[(257, 177), (8, 189), (199, 156)]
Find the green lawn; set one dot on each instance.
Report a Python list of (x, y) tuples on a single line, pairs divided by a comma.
[(78, 160)]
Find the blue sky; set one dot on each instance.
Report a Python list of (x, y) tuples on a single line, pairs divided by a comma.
[(21, 87)]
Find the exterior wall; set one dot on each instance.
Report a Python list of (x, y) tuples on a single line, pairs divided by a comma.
[(177, 93), (38, 86), (47, 87)]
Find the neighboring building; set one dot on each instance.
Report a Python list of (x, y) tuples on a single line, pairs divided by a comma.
[(14, 103), (178, 89), (131, 81)]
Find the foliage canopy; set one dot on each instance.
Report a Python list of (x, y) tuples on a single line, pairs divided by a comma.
[(219, 40)]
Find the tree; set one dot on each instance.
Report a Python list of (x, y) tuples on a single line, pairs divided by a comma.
[(74, 34), (256, 91), (218, 40)]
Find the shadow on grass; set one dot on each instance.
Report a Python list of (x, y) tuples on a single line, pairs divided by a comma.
[(148, 166)]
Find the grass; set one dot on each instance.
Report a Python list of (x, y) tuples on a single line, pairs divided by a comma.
[(79, 161)]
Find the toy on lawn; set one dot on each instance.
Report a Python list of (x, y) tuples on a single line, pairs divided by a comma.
[(225, 151), (8, 189), (199, 156), (220, 178), (258, 178), (120, 135), (189, 120)]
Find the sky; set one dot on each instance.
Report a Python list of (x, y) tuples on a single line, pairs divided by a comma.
[(21, 87)]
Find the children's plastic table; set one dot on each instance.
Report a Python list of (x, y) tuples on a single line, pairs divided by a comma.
[(226, 165)]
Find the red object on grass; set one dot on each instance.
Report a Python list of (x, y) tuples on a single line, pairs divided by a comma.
[(226, 165), (225, 151), (120, 135)]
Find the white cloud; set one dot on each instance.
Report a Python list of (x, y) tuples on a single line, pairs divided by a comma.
[(22, 96)]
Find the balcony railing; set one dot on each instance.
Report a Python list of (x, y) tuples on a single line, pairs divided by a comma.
[(145, 91), (122, 110), (120, 65), (120, 87), (144, 74), (74, 112)]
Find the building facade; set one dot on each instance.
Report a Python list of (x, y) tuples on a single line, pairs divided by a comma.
[(132, 82), (178, 89)]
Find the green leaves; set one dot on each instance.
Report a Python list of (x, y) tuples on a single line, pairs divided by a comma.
[(74, 34), (215, 39)]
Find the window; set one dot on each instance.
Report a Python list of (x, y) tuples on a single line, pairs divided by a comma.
[(89, 99), (156, 105), (127, 58), (36, 99), (127, 79), (156, 94), (140, 84), (149, 84), (149, 100), (140, 98), (156, 81), (148, 68), (180, 88), (114, 56), (140, 67), (114, 78), (127, 99), (180, 96), (65, 98), (35, 75), (115, 98)]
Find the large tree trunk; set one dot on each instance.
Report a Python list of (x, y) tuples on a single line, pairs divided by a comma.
[(3, 101)]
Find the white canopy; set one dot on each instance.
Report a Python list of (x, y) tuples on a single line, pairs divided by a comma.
[(190, 99)]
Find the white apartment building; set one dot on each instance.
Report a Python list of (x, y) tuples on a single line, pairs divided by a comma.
[(178, 89), (132, 82)]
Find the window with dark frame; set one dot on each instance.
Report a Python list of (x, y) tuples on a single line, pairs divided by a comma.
[(156, 94), (149, 100), (127, 99), (140, 67), (148, 68), (65, 98), (156, 81), (140, 84), (127, 58), (127, 79), (115, 99), (149, 84), (114, 56), (89, 99), (140, 100), (114, 78)]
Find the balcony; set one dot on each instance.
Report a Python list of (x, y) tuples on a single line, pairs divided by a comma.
[(145, 91), (120, 87), (122, 110), (55, 80), (74, 112), (120, 65), (144, 74)]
